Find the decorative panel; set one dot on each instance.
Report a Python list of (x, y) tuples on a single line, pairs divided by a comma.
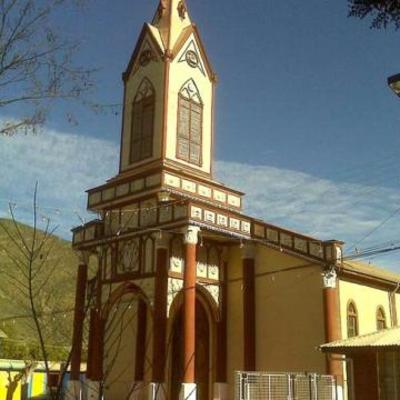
[(130, 217), (234, 201), (202, 262), (172, 180), (196, 213), (177, 261), (204, 191), (148, 212), (108, 194), (220, 196), (188, 186), (128, 256), (165, 214), (209, 216), (246, 226), (222, 220), (122, 190), (259, 230), (234, 224), (94, 198), (153, 180), (272, 235), (180, 211), (286, 240), (316, 249), (137, 185), (300, 244)]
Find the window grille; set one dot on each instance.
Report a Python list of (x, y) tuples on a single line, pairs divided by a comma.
[(284, 386)]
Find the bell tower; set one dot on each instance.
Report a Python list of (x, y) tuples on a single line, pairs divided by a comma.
[(168, 97)]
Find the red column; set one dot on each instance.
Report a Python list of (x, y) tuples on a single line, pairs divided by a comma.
[(332, 321), (160, 312), (189, 316), (249, 309), (96, 370), (79, 317), (141, 341)]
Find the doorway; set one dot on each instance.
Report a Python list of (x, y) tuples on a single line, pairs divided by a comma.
[(202, 363)]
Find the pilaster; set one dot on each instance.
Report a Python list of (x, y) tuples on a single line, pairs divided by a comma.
[(249, 307), (79, 316)]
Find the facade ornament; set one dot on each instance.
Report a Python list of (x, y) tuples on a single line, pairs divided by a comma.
[(329, 278), (192, 235), (182, 9)]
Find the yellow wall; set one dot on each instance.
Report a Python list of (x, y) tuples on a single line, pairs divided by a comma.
[(289, 314), (154, 71), (37, 385), (119, 348), (367, 299), (234, 317)]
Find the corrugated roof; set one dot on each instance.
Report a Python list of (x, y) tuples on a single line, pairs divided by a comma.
[(370, 270), (387, 338)]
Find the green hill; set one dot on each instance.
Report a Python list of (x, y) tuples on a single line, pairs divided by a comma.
[(54, 271)]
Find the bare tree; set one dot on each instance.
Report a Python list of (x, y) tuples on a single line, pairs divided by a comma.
[(382, 12), (37, 64), (32, 284)]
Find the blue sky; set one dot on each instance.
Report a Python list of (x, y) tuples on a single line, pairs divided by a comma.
[(302, 108)]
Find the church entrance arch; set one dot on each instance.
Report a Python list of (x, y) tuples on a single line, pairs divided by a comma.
[(203, 371)]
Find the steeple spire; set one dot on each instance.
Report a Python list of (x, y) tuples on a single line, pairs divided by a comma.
[(171, 19)]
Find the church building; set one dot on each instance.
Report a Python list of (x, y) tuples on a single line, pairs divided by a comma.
[(188, 288)]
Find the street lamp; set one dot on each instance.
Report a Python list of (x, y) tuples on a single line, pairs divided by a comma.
[(394, 84)]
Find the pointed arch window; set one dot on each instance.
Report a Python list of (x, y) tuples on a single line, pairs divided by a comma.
[(380, 319), (352, 320), (190, 124), (142, 130)]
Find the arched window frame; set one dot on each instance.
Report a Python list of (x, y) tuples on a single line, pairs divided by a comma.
[(352, 319), (380, 318), (189, 144), (142, 125)]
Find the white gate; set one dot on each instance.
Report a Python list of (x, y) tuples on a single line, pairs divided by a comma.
[(284, 386)]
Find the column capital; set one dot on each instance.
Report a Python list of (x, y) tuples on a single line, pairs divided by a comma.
[(329, 278), (192, 235), (248, 250)]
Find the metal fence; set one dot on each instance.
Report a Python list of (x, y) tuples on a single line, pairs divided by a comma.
[(284, 386)]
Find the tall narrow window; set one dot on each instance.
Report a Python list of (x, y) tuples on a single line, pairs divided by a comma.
[(190, 124), (352, 320), (380, 319), (142, 122)]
